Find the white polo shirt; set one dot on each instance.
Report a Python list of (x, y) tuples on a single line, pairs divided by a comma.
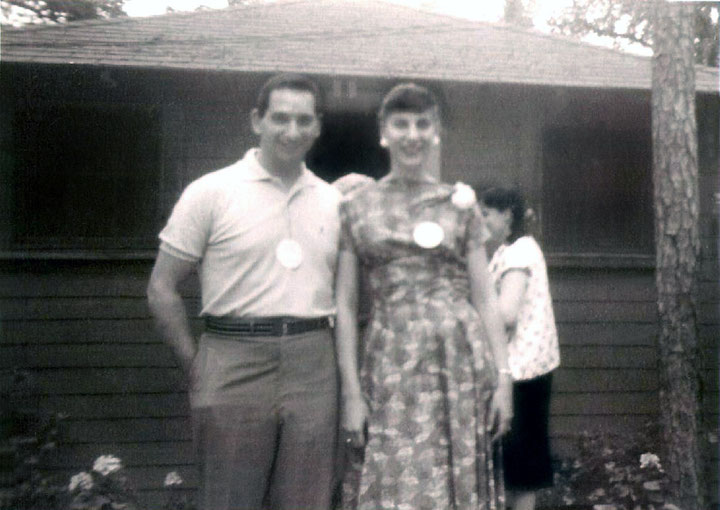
[(231, 221)]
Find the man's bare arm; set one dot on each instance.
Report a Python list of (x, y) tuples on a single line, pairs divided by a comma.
[(167, 307)]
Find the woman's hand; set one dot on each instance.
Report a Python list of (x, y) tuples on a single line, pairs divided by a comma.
[(501, 411), (354, 416)]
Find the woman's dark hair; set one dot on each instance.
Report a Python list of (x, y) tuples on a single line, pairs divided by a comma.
[(408, 97), (503, 199), (288, 81)]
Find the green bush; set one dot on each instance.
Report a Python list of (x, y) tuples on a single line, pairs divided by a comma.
[(622, 472)]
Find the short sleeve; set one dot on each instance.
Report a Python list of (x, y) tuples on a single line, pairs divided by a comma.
[(187, 231), (521, 255), (347, 241), (477, 233)]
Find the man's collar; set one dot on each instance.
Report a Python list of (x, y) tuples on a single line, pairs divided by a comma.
[(254, 171)]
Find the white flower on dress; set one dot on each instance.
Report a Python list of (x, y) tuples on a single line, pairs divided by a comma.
[(106, 464), (649, 460), (81, 480), (173, 478), (464, 196)]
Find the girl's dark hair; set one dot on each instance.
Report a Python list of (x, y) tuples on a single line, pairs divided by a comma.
[(407, 97), (503, 199)]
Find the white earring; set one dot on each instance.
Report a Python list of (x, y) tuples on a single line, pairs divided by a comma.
[(383, 142)]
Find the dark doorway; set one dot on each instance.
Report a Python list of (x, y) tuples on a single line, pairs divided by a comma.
[(348, 143)]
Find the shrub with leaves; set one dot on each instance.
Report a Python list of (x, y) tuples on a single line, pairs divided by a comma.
[(28, 442), (35, 486), (611, 471)]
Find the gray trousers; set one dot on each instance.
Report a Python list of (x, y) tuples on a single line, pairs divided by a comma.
[(265, 420)]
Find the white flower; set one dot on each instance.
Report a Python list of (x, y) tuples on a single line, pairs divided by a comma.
[(82, 480), (173, 478), (106, 464), (464, 196), (649, 460)]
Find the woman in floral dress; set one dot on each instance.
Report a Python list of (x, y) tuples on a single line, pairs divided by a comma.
[(434, 388)]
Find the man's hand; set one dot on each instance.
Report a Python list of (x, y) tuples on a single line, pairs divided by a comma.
[(167, 308), (186, 358)]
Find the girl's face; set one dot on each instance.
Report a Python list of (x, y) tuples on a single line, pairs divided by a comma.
[(410, 137), (497, 222)]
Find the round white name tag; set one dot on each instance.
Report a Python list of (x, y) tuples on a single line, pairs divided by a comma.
[(289, 253), (428, 234)]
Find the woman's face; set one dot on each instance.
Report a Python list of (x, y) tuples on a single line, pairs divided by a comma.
[(497, 222), (410, 137)]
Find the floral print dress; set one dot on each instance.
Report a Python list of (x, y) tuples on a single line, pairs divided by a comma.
[(427, 369)]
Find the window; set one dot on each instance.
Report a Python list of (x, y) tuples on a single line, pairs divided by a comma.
[(597, 192), (85, 176)]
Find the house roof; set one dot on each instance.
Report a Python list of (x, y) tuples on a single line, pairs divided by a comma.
[(343, 37)]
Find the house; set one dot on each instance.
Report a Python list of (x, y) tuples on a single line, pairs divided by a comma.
[(103, 123)]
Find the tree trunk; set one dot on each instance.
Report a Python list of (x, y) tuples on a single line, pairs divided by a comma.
[(677, 209)]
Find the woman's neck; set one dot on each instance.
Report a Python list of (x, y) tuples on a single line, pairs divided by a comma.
[(420, 174)]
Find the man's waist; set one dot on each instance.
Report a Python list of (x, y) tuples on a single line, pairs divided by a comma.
[(265, 326)]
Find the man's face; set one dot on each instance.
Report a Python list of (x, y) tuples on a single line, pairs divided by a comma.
[(289, 126)]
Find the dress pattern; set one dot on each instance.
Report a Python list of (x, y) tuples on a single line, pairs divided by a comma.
[(427, 369)]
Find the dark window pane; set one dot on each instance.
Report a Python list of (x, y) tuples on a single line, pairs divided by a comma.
[(87, 176), (597, 192)]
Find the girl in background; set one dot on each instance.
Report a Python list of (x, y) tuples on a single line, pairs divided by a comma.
[(520, 275)]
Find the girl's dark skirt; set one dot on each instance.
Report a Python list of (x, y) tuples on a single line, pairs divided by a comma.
[(526, 448)]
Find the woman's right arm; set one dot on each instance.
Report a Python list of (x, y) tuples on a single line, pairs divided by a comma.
[(354, 407)]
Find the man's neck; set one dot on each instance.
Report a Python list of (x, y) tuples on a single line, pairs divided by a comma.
[(287, 173)]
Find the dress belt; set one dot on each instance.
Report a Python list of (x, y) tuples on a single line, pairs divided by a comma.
[(264, 326)]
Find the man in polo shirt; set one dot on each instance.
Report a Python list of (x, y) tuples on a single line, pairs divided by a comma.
[(264, 232)]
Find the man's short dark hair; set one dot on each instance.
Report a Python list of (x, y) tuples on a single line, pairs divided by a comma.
[(290, 81)]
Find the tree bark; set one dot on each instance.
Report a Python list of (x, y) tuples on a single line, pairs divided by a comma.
[(677, 209)]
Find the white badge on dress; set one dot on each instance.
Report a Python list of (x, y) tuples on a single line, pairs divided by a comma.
[(289, 253), (428, 234)]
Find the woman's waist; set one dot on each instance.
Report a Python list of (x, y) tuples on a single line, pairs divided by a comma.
[(421, 293), (418, 279), (434, 306)]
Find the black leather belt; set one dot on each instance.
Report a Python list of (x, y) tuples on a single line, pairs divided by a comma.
[(264, 326)]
